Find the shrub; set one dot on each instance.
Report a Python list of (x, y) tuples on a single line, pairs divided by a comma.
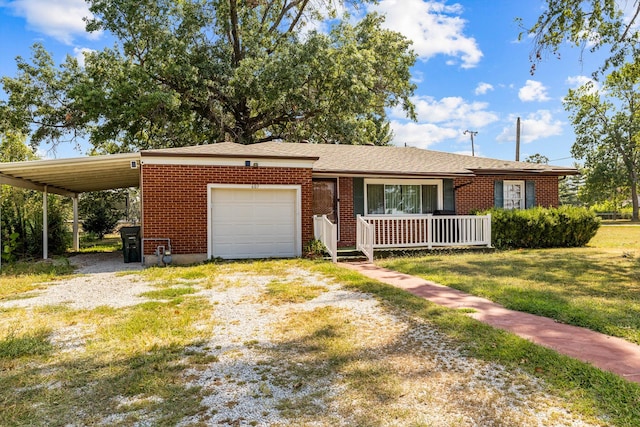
[(100, 212), (21, 224), (566, 226)]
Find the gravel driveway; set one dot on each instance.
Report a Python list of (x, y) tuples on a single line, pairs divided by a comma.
[(98, 285), (248, 384)]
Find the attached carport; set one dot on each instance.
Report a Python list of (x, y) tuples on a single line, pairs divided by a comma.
[(70, 178)]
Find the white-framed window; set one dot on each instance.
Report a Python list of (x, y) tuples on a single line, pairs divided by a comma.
[(402, 197), (514, 194)]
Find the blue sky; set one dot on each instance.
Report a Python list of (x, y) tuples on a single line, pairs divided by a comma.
[(472, 73)]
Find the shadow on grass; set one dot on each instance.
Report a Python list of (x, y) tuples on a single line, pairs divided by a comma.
[(89, 390), (588, 288), (590, 390)]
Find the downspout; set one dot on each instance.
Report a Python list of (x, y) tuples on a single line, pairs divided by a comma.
[(141, 216), (45, 224), (338, 205)]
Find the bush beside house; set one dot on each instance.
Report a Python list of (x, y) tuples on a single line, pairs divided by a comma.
[(565, 226)]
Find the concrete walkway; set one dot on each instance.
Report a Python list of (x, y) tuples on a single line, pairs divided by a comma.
[(607, 353)]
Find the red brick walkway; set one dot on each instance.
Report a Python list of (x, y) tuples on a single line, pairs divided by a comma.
[(608, 353)]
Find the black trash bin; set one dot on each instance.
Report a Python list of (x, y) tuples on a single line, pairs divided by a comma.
[(446, 231), (131, 244)]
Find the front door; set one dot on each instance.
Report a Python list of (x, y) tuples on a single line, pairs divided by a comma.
[(324, 198)]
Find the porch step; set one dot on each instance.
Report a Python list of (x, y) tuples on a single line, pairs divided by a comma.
[(349, 254)]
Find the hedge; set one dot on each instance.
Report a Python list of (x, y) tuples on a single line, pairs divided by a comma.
[(563, 227)]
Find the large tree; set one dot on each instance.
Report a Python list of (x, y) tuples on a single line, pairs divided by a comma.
[(607, 127), (200, 71), (591, 24)]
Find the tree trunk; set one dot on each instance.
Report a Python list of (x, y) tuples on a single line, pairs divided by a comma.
[(634, 201)]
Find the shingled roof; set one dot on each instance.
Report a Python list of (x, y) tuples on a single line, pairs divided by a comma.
[(369, 159)]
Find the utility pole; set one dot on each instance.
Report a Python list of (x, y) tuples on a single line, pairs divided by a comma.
[(518, 140), (472, 133)]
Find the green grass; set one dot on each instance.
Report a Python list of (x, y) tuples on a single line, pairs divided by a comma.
[(284, 291), (135, 359), (23, 276), (34, 343), (133, 365), (596, 287), (169, 293), (591, 391), (110, 243)]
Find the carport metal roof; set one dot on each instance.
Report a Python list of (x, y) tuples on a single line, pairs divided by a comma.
[(69, 177)]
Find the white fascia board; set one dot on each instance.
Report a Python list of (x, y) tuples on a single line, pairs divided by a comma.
[(227, 161)]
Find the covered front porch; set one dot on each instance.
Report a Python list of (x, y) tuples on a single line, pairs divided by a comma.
[(408, 231)]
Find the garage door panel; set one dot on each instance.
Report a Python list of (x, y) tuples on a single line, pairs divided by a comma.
[(253, 223)]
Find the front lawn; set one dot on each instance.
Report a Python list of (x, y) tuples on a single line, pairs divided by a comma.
[(287, 342), (597, 287)]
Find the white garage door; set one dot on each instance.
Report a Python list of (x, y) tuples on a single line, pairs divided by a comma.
[(254, 223)]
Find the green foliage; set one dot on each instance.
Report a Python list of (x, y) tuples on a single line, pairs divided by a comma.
[(41, 101), (537, 158), (605, 206), (607, 126), (569, 189), (566, 226), (21, 220), (596, 23), (196, 72), (100, 211), (22, 216), (314, 248), (9, 248)]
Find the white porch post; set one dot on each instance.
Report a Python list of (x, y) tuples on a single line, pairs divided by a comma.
[(45, 224), (76, 234)]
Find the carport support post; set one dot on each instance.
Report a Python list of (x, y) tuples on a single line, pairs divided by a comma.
[(45, 225), (76, 234)]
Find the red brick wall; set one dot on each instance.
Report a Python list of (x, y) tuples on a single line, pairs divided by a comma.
[(174, 200), (346, 216), (477, 192)]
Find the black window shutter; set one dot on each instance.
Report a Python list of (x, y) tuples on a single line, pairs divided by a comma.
[(448, 196), (358, 196), (530, 194), (498, 194)]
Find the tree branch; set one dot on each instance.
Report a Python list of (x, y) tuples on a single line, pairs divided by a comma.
[(630, 24), (233, 12)]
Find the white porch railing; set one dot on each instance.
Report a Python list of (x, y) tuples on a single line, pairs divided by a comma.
[(364, 237), (326, 232), (426, 231)]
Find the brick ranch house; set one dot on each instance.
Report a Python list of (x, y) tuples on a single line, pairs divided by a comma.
[(253, 201), (269, 200)]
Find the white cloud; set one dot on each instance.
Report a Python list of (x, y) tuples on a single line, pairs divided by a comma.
[(453, 111), (440, 120), (537, 125), (60, 19), (533, 91), (421, 135), (434, 27), (579, 81), (483, 88), (80, 53)]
